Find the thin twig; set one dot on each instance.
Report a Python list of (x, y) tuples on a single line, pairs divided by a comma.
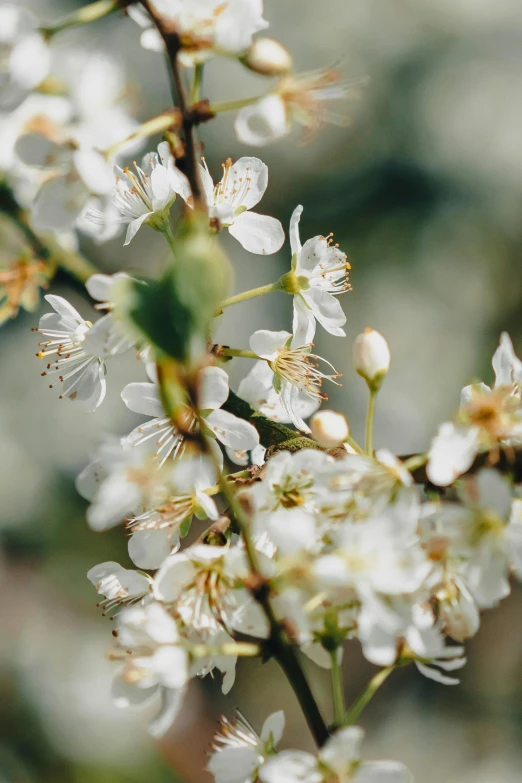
[(173, 46)]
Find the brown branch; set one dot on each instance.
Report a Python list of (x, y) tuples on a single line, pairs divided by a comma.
[(172, 42)]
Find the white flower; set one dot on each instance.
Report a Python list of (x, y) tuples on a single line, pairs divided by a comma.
[(156, 533), (119, 586), (257, 388), (213, 392), (506, 366), (339, 759), (487, 531), (285, 501), (76, 351), (63, 197), (371, 357), (146, 194), (295, 370), (206, 27), (320, 272), (241, 188), (120, 483), (102, 288), (159, 664), (238, 751), (297, 99), (451, 453), (24, 56), (204, 584)]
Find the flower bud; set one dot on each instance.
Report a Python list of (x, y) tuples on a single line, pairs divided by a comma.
[(268, 57), (371, 357), (329, 428)]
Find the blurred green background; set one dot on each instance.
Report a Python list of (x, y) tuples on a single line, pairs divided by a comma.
[(424, 193)]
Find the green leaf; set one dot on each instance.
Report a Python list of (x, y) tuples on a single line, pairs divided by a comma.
[(175, 313), (184, 528)]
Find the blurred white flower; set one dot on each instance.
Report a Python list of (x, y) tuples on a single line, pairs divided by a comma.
[(299, 99), (24, 56), (238, 751), (339, 759), (206, 27)]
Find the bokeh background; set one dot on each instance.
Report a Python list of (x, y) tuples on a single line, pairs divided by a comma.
[(424, 193)]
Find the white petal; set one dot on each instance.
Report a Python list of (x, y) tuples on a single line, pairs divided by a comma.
[(303, 326), (179, 182), (273, 727), (295, 242), (149, 548), (94, 171), (162, 193), (247, 170), (212, 388), (343, 748), (264, 122), (326, 309), (291, 766), (58, 203), (267, 344), (234, 765), (175, 574), (506, 364), (143, 398), (451, 453), (434, 674), (171, 702), (258, 234), (232, 431), (99, 287), (134, 226)]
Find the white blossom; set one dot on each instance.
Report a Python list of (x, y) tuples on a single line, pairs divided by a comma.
[(339, 759), (295, 371), (163, 433), (207, 27), (146, 194), (451, 453), (238, 751), (321, 270), (24, 55), (242, 187), (297, 99), (158, 665), (257, 388), (75, 351)]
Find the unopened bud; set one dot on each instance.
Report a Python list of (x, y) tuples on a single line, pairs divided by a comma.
[(329, 428), (371, 357), (268, 57)]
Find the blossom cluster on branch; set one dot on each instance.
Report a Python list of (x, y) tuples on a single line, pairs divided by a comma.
[(313, 541)]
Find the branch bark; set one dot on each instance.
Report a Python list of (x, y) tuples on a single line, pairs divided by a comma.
[(188, 163)]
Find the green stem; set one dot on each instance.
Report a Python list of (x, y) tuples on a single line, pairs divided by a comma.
[(263, 289), (149, 128), (367, 695), (238, 352), (217, 108), (89, 13), (337, 689), (417, 461), (242, 649), (278, 642), (355, 446), (197, 85), (369, 422)]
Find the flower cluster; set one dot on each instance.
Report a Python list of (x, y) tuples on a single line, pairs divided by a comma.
[(317, 541)]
